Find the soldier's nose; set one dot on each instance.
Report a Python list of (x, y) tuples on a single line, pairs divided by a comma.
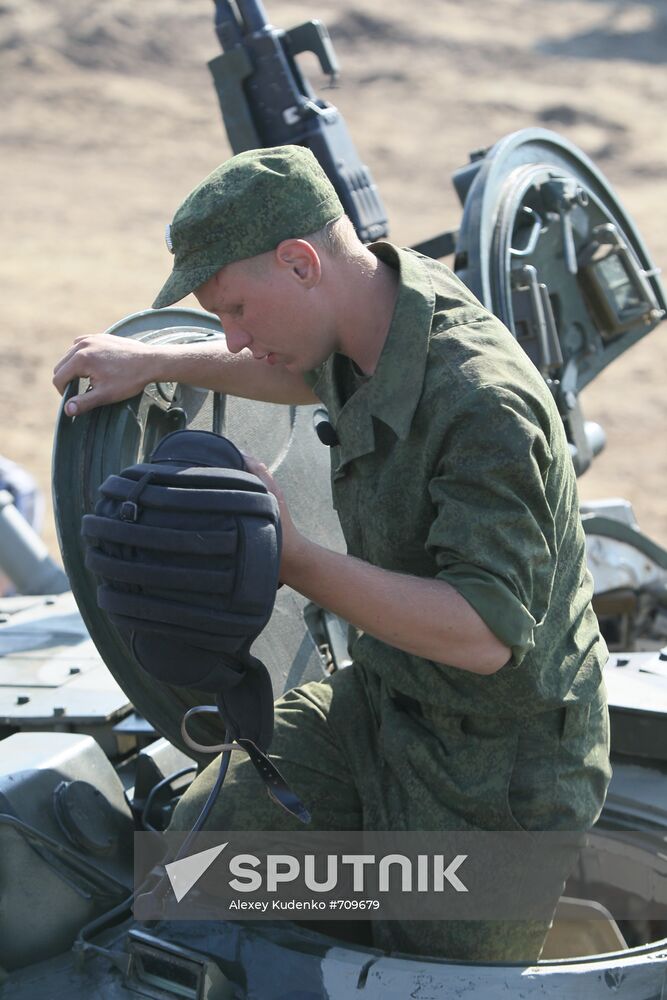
[(236, 339)]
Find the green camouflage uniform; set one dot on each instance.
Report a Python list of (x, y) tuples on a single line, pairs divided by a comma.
[(452, 464)]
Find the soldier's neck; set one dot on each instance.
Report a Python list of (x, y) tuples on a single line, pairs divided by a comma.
[(366, 308)]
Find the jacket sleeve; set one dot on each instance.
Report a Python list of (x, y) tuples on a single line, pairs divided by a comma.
[(493, 536)]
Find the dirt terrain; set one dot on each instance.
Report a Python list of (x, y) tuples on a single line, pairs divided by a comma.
[(109, 117)]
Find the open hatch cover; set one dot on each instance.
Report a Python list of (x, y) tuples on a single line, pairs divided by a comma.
[(546, 245), (89, 448)]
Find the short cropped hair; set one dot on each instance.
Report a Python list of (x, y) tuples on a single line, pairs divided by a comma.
[(339, 239)]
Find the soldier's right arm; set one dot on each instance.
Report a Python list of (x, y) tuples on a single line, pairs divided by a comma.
[(118, 368)]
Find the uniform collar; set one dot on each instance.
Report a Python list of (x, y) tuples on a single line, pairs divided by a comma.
[(392, 393)]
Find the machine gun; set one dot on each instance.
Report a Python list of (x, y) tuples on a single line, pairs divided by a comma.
[(266, 101), (543, 242)]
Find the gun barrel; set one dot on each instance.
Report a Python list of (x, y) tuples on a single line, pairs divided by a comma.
[(253, 14), (227, 26), (24, 556)]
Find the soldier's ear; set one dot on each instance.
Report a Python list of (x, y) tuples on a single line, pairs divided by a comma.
[(301, 259)]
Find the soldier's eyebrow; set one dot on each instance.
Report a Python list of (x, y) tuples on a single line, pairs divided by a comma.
[(236, 307), (225, 305)]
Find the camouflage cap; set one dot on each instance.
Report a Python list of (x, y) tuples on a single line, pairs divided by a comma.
[(245, 207)]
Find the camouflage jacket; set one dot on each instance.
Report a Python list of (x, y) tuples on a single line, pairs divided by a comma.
[(453, 463)]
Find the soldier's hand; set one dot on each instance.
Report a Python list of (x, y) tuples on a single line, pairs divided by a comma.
[(117, 367), (291, 537)]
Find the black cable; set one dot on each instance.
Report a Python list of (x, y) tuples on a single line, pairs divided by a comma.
[(145, 812), (210, 801), (81, 944)]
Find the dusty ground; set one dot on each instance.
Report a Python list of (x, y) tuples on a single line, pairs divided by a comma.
[(109, 118)]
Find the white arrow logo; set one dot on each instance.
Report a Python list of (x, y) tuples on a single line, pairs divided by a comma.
[(184, 873)]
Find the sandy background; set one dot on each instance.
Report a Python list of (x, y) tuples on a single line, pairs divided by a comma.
[(108, 117)]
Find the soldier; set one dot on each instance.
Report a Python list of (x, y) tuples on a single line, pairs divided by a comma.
[(475, 700)]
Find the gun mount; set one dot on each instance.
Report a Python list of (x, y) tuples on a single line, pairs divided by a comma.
[(266, 101), (544, 242)]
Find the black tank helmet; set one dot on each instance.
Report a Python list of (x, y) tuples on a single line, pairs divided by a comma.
[(187, 551)]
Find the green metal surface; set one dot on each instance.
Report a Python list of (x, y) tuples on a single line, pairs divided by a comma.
[(609, 527)]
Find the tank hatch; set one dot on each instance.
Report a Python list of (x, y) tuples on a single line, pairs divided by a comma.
[(546, 245), (89, 448)]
